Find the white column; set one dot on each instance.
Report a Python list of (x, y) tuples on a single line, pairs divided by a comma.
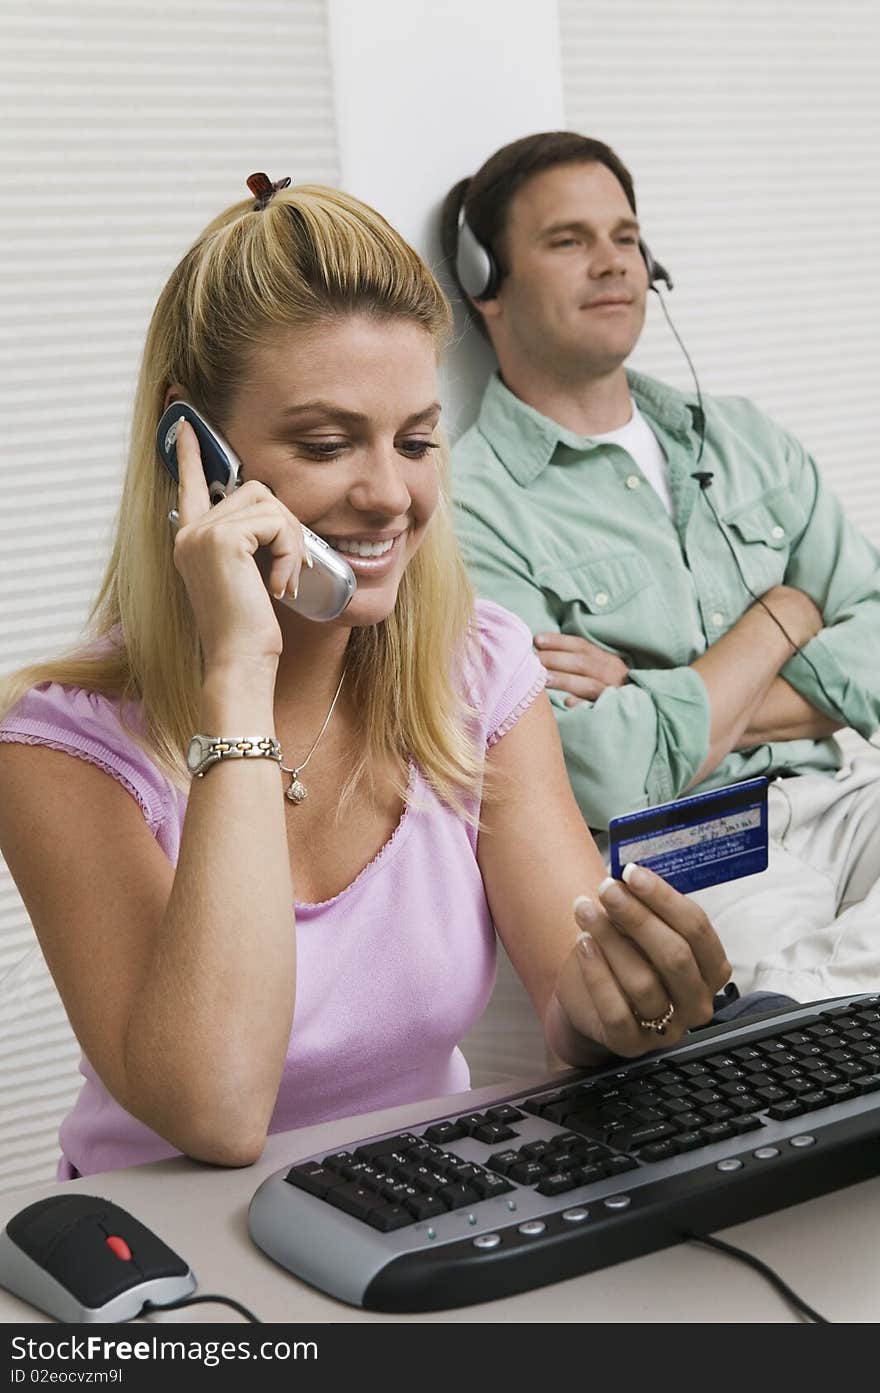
[(424, 91)]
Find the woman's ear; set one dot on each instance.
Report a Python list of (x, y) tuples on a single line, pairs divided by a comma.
[(176, 392)]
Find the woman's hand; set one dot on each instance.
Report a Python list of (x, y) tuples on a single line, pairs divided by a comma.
[(214, 552), (643, 949)]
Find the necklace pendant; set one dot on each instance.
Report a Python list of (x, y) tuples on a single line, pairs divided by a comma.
[(296, 792)]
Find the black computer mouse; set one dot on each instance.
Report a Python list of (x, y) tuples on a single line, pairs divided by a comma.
[(81, 1258)]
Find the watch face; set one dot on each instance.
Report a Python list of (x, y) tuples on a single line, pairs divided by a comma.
[(194, 753)]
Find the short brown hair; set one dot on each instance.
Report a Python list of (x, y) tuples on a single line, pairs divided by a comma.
[(488, 193)]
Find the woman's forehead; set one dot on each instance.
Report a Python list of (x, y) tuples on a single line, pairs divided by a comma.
[(351, 362)]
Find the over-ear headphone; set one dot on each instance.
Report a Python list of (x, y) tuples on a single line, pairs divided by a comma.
[(478, 273)]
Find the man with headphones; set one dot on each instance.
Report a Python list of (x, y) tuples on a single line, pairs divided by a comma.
[(703, 608)]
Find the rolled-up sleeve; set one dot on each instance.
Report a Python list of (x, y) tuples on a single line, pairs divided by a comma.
[(839, 569)]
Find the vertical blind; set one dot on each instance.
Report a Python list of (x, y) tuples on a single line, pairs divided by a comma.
[(753, 135), (125, 128)]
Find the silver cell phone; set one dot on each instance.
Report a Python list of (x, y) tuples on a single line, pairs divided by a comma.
[(327, 586)]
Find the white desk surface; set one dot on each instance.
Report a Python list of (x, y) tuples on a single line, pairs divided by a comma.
[(827, 1249)]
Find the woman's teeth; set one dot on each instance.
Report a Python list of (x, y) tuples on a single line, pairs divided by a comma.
[(364, 548)]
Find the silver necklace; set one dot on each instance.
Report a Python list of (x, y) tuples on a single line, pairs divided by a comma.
[(296, 791)]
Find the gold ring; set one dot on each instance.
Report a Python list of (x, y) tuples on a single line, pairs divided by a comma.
[(659, 1023)]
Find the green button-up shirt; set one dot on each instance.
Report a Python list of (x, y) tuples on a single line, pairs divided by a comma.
[(568, 533)]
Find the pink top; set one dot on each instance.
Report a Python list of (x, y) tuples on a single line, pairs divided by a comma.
[(391, 973)]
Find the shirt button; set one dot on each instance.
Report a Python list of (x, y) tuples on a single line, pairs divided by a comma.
[(601, 599), (778, 532), (633, 482), (717, 619)]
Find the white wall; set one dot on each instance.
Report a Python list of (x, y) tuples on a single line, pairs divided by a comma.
[(424, 92)]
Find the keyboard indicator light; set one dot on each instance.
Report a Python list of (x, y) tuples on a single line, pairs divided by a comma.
[(432, 1233)]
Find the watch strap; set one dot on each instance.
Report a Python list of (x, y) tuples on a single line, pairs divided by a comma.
[(207, 750)]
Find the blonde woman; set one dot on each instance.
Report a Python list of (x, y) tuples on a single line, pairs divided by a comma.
[(232, 962)]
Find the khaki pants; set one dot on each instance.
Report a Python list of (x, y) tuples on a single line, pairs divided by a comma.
[(809, 926)]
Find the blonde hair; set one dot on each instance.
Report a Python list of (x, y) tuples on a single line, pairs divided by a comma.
[(311, 255)]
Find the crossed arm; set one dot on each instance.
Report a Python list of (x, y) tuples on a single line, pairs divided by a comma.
[(750, 703)]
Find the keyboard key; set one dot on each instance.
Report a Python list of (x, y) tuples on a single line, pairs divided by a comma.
[(562, 1161), (502, 1161), (658, 1151), (373, 1149), (780, 1111), (748, 1123), (488, 1185), (527, 1172), (395, 1191), (690, 1141), (356, 1200), (556, 1184), (314, 1179), (504, 1112), (420, 1207), (616, 1165), (814, 1100), (493, 1132), (587, 1175), (339, 1159), (841, 1091), (442, 1133), (456, 1196), (850, 1069), (717, 1112), (717, 1131), (869, 1084), (745, 1103), (689, 1122), (392, 1216), (774, 1094), (643, 1136), (470, 1121), (534, 1150)]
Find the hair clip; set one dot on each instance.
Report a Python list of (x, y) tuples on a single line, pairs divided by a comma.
[(262, 188)]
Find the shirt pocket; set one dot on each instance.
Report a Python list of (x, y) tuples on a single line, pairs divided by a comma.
[(603, 588), (764, 531)]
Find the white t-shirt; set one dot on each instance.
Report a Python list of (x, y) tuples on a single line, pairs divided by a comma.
[(639, 441)]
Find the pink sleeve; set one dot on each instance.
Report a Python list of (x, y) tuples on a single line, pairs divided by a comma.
[(87, 725), (510, 675)]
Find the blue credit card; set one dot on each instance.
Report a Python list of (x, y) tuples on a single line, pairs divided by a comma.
[(696, 842)]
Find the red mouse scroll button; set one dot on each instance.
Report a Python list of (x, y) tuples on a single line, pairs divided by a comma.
[(119, 1247)]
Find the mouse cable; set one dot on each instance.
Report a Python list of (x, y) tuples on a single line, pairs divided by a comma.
[(772, 1277), (150, 1306), (704, 482)]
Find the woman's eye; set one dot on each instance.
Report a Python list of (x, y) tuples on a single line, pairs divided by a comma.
[(322, 449), (417, 449)]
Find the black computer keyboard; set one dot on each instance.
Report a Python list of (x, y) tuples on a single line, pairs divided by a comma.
[(595, 1168)]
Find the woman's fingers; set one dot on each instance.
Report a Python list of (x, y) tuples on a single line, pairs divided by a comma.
[(194, 500), (638, 980), (686, 918), (667, 951), (618, 1029), (266, 523)]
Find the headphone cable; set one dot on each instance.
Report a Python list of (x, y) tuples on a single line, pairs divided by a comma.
[(704, 479)]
